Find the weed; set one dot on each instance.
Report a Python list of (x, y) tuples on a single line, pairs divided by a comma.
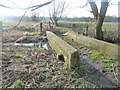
[(36, 32), (96, 55), (108, 62), (63, 29), (21, 54), (40, 79), (16, 84), (39, 49), (29, 62)]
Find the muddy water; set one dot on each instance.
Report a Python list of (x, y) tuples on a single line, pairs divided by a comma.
[(38, 45)]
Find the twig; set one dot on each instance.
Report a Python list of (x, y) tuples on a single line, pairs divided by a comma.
[(30, 7), (37, 6), (84, 5), (23, 15)]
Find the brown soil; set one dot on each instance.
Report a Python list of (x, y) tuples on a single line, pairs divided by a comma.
[(45, 70)]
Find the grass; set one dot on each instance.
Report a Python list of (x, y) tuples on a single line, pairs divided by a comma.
[(107, 26), (77, 77), (24, 23), (29, 62), (96, 55), (36, 32), (63, 29), (106, 62), (16, 84), (110, 29), (21, 54), (39, 49)]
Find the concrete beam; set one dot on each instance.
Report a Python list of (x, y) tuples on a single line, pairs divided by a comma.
[(104, 47), (70, 54)]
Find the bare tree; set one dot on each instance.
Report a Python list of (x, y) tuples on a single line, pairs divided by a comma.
[(99, 16), (56, 12), (35, 16)]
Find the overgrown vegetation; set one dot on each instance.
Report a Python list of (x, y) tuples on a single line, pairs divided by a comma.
[(39, 49), (29, 62), (105, 61), (21, 54), (110, 29), (16, 84), (96, 55), (36, 32)]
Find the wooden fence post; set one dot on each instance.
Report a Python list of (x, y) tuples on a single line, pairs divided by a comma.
[(40, 27), (49, 25), (86, 30)]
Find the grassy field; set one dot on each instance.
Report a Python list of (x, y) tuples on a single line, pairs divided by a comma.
[(109, 26), (110, 29)]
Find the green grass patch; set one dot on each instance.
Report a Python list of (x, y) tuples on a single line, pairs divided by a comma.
[(108, 62), (63, 29), (24, 23), (36, 32), (21, 54), (72, 22), (76, 77), (16, 84), (8, 50), (96, 55), (107, 26), (105, 61), (39, 49), (29, 62)]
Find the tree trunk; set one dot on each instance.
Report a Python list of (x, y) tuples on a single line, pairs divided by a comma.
[(56, 23), (99, 33)]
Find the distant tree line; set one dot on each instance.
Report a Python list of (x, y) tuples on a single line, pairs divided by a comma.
[(81, 19), (89, 19)]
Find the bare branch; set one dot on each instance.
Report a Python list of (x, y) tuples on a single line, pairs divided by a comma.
[(41, 5), (23, 15), (84, 5), (38, 6), (34, 7), (5, 6), (13, 2)]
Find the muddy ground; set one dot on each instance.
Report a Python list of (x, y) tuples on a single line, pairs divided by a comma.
[(31, 67)]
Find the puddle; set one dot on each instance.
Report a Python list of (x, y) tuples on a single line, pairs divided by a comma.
[(38, 45)]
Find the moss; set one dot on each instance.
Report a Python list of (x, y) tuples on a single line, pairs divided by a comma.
[(39, 49), (29, 62), (96, 55), (36, 32), (108, 62), (21, 54), (16, 84)]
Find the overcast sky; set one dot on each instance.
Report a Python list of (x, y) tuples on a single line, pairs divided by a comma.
[(72, 10)]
